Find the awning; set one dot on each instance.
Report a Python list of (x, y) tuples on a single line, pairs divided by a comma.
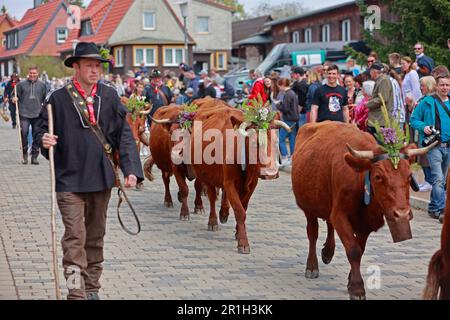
[(255, 40)]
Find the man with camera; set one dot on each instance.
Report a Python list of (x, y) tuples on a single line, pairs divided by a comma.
[(432, 119)]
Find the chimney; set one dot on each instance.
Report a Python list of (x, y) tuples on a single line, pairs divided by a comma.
[(37, 3)]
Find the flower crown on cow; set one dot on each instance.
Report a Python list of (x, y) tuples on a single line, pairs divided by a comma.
[(258, 112), (135, 105), (186, 117), (392, 137)]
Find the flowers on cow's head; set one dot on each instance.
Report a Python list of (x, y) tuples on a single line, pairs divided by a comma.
[(186, 117), (391, 137), (258, 113), (135, 105)]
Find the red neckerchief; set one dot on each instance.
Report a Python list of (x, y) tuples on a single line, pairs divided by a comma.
[(89, 99)]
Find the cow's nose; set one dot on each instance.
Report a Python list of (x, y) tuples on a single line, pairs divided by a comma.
[(402, 214)]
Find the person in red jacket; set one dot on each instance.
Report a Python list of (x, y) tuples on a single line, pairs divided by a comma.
[(261, 88)]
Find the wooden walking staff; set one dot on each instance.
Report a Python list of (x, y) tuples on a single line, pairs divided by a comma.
[(53, 215), (18, 124)]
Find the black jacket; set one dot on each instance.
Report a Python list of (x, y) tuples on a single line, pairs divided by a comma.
[(289, 106), (301, 89), (156, 98), (81, 165)]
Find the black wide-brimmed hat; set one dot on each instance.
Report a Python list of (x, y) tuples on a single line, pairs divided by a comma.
[(85, 50)]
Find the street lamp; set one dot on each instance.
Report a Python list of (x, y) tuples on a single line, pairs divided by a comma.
[(184, 14), (74, 45)]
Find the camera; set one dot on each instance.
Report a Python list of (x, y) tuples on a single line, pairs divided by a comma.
[(434, 136)]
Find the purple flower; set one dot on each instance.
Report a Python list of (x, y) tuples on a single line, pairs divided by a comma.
[(389, 135)]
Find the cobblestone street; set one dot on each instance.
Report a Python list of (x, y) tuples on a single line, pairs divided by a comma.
[(173, 259)]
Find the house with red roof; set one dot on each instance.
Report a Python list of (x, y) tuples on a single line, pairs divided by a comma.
[(210, 24), (41, 32), (6, 22), (137, 33)]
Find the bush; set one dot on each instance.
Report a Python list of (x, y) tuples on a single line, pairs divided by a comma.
[(52, 65)]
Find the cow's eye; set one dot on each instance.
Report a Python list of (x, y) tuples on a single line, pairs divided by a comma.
[(378, 178)]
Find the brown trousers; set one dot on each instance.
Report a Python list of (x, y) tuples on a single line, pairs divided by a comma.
[(84, 218)]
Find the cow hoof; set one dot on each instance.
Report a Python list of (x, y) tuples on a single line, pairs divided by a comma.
[(327, 256), (314, 274), (213, 227), (180, 200), (199, 210), (184, 217), (244, 249), (168, 204), (223, 219), (356, 297)]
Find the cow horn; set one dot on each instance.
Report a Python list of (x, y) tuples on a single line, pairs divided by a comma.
[(162, 121), (366, 154), (283, 125), (420, 151), (243, 127), (145, 112)]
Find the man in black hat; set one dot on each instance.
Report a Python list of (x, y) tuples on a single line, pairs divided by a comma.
[(84, 175), (157, 93), (300, 87)]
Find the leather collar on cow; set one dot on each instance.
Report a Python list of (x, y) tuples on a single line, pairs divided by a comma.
[(386, 156)]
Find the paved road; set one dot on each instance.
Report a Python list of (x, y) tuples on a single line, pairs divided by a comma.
[(173, 259)]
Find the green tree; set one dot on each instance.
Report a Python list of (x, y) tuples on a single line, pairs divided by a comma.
[(238, 8), (79, 3), (424, 21), (4, 9)]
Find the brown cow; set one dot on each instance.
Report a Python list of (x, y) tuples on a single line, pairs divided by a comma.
[(237, 183), (160, 149), (328, 183), (438, 279)]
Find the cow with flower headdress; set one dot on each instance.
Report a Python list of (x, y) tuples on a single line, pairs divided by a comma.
[(138, 110), (160, 144), (343, 176), (227, 148)]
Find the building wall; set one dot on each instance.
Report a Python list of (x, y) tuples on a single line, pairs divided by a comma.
[(282, 33), (131, 26), (47, 43), (220, 22)]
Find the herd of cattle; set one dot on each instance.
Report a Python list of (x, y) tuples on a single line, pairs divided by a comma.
[(354, 187)]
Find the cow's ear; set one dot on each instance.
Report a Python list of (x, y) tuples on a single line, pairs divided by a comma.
[(236, 122), (359, 165)]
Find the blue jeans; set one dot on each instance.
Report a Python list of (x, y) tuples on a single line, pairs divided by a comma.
[(439, 159), (284, 134), (302, 120)]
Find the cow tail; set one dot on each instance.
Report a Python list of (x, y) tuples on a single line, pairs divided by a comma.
[(148, 164), (434, 270)]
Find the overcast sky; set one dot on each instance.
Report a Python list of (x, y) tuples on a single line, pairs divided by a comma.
[(17, 8)]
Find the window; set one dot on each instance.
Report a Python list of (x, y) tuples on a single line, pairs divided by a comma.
[(86, 28), (3, 42), (61, 35), (308, 35), (221, 61), (202, 25), (346, 31), (326, 33), (296, 37), (149, 21), (173, 56), (118, 56), (144, 54), (12, 40)]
